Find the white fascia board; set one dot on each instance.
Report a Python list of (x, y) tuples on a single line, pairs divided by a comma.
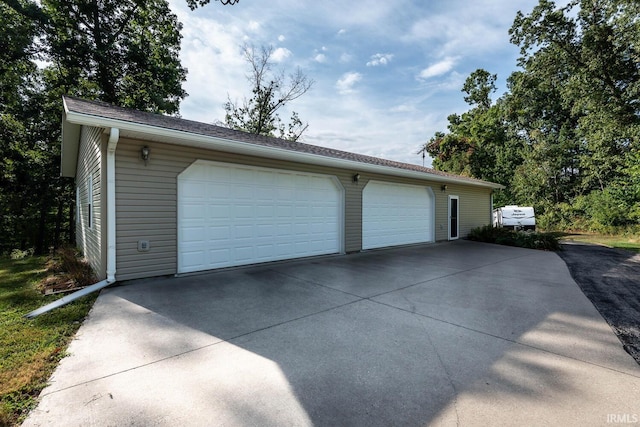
[(178, 137), (69, 149)]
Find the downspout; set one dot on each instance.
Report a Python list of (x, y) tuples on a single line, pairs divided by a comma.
[(114, 136)]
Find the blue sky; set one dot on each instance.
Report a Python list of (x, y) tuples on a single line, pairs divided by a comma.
[(387, 73)]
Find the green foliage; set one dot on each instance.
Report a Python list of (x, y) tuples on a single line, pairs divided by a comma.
[(194, 4), (18, 254), (523, 239), (479, 143), (270, 93), (479, 86), (565, 137), (124, 52)]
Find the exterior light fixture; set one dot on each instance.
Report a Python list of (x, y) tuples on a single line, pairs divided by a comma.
[(443, 187), (356, 177), (144, 154)]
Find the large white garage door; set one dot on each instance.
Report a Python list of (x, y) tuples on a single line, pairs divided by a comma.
[(396, 214), (232, 215)]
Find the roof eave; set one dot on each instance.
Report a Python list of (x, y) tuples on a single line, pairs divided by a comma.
[(179, 137), (70, 145)]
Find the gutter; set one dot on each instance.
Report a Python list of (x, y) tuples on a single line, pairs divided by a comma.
[(114, 137), (178, 137)]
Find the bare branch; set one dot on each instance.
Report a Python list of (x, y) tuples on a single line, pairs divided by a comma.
[(270, 92)]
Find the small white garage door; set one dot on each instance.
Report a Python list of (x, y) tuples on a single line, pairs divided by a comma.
[(231, 215), (396, 214)]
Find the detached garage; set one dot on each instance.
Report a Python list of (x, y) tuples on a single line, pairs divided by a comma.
[(160, 195)]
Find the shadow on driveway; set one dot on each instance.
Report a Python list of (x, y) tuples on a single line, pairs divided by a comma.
[(459, 333)]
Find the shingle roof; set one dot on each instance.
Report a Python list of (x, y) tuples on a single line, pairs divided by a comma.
[(109, 111)]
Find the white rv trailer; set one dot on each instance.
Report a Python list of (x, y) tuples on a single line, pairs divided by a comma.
[(515, 217)]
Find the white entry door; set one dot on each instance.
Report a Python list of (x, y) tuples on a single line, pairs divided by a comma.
[(231, 215), (396, 214)]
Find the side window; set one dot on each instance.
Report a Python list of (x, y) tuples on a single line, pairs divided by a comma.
[(90, 201)]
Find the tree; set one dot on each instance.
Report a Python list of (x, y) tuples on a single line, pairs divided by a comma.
[(566, 136), (592, 57), (19, 79), (193, 4), (123, 52), (479, 143), (270, 93), (580, 92), (479, 86)]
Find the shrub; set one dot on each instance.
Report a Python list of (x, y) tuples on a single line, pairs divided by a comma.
[(523, 239), (18, 254), (67, 270), (489, 234)]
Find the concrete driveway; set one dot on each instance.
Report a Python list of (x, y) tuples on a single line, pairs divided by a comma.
[(457, 333)]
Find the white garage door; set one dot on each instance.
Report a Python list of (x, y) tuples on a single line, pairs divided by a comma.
[(396, 214), (231, 215)]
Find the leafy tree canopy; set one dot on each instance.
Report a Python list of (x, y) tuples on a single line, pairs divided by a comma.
[(120, 51), (568, 130)]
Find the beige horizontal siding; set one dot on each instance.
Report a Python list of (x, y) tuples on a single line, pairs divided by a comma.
[(90, 239), (146, 202), (474, 206)]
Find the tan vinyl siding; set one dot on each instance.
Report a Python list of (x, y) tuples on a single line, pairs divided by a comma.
[(474, 207), (146, 202), (90, 231)]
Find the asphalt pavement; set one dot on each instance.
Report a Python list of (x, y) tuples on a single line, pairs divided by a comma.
[(610, 278)]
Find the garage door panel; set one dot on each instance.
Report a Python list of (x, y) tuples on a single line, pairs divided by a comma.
[(396, 214), (234, 215)]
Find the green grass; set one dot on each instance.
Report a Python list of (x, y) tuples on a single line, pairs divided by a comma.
[(630, 243), (30, 349)]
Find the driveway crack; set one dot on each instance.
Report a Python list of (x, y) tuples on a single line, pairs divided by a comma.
[(513, 341), (447, 373)]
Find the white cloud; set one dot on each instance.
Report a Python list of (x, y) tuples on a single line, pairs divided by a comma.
[(438, 68), (280, 54), (345, 57), (347, 81), (403, 108), (253, 26), (380, 59), (381, 117)]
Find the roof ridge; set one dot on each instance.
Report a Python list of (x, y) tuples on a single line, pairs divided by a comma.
[(112, 111)]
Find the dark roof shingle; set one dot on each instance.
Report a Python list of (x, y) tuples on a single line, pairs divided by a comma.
[(109, 111)]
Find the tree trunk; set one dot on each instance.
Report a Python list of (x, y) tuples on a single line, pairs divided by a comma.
[(42, 227), (72, 224), (58, 227)]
